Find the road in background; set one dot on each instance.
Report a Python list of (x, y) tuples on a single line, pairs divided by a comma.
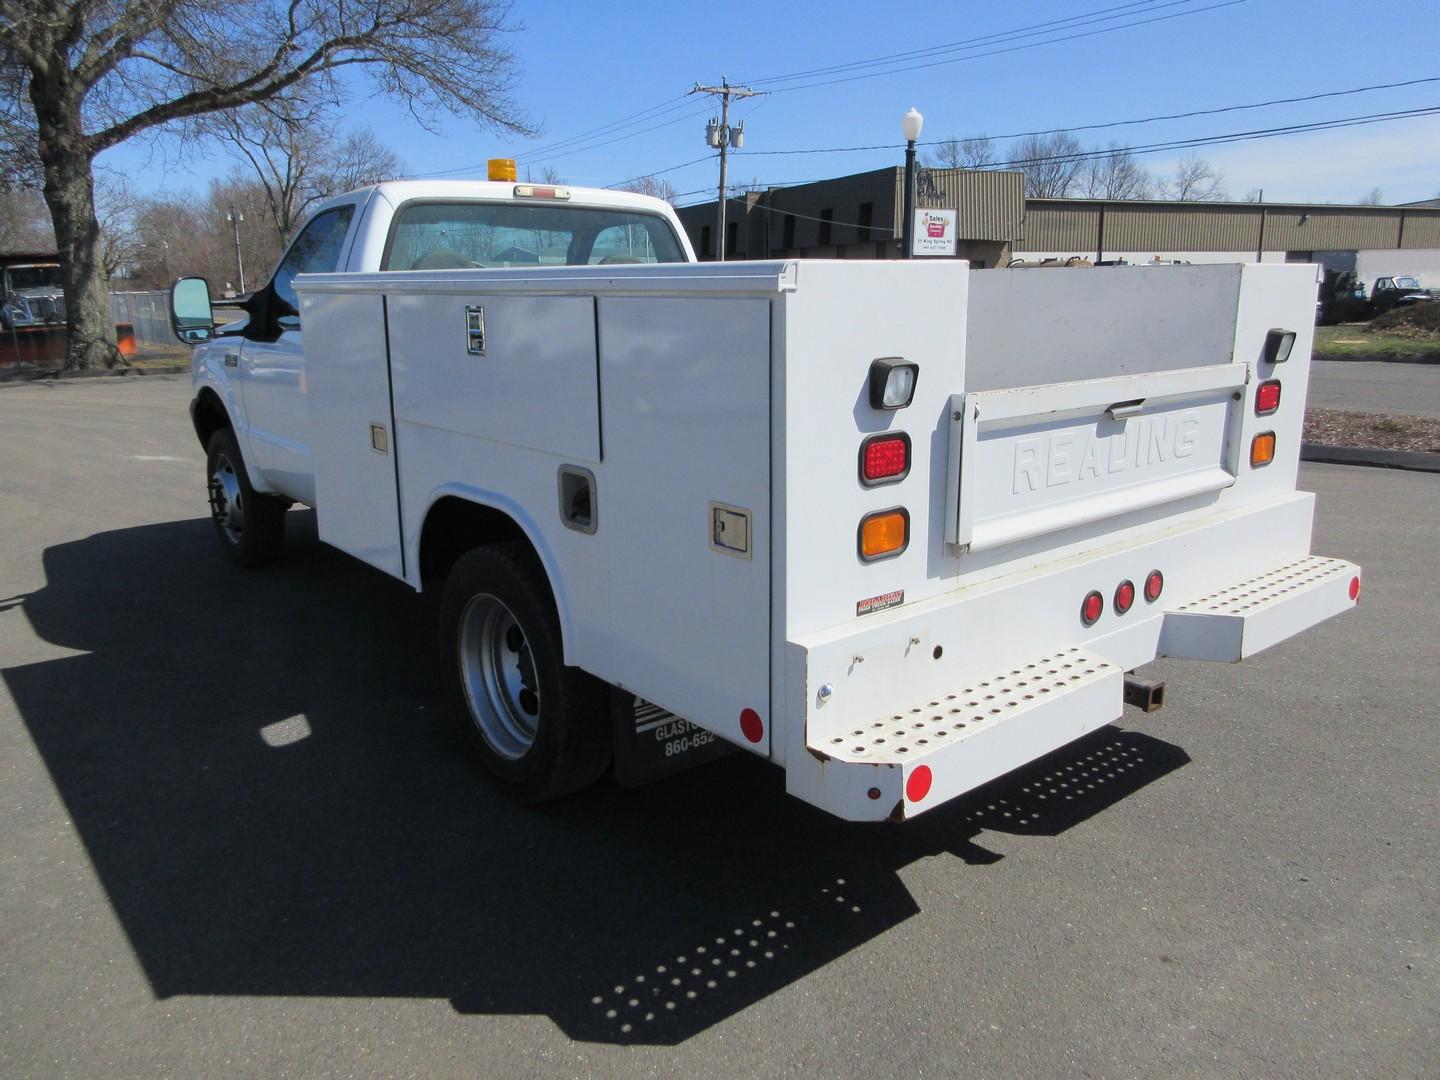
[(1390, 386), (241, 839)]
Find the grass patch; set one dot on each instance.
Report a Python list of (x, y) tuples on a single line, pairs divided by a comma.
[(1358, 343)]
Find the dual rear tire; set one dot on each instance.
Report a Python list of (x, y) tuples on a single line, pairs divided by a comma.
[(539, 727)]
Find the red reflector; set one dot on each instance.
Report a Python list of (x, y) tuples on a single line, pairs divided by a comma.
[(918, 786), (1354, 588), (1267, 397), (1092, 608), (1124, 597), (884, 458), (1154, 586), (751, 725)]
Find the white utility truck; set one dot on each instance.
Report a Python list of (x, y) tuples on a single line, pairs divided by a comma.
[(896, 526)]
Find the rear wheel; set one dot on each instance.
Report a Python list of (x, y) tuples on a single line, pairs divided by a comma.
[(251, 526), (542, 729)]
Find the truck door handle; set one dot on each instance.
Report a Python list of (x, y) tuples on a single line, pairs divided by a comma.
[(1122, 410), (232, 359)]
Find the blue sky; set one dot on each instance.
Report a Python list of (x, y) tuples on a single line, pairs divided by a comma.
[(583, 66)]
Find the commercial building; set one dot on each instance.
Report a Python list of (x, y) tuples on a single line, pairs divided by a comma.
[(859, 217)]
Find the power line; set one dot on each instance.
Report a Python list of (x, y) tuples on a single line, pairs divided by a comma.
[(1012, 49), (1050, 26), (1183, 144), (1115, 123)]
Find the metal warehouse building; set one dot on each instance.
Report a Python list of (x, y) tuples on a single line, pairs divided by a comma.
[(859, 217)]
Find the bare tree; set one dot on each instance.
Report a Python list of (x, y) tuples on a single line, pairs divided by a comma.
[(297, 162), (80, 77), (115, 206), (357, 160), (1374, 197), (977, 152), (654, 186), (1051, 164), (1115, 174), (1195, 180), (1254, 195), (24, 222)]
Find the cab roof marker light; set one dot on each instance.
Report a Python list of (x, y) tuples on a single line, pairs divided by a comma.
[(541, 191), (1278, 344), (500, 168), (892, 382)]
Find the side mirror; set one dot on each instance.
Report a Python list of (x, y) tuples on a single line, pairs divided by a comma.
[(190, 314)]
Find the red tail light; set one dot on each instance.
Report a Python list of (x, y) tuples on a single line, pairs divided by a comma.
[(1124, 597), (1154, 586), (1267, 397), (884, 459), (1092, 608)]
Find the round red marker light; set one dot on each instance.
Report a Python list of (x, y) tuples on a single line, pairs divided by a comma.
[(1154, 586), (1124, 597), (1092, 608), (1354, 588), (918, 786), (751, 725)]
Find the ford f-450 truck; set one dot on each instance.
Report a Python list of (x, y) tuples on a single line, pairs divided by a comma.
[(897, 527)]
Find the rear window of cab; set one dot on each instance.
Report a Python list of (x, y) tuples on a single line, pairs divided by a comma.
[(471, 234)]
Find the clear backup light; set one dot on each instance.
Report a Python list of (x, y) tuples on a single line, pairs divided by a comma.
[(892, 382), (1278, 344)]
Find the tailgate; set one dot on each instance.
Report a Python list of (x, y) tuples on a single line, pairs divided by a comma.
[(1032, 460)]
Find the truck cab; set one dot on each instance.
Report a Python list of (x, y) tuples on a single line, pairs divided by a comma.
[(251, 375)]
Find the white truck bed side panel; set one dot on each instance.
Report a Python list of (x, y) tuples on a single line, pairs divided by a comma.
[(685, 395), (841, 317), (532, 346), (355, 495)]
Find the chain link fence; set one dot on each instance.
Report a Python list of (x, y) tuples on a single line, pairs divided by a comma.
[(147, 312)]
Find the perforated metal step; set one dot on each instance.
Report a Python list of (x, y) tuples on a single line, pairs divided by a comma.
[(1273, 586), (943, 721), (1243, 618)]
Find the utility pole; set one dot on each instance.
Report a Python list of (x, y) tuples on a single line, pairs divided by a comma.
[(722, 136), (235, 217)]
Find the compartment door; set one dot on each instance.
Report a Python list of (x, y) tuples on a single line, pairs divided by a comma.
[(352, 427)]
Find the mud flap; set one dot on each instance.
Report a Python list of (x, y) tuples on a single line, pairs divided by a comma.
[(651, 743)]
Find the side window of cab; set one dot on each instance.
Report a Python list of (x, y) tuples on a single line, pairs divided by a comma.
[(315, 251)]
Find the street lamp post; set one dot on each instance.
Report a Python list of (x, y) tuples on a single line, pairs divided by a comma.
[(910, 125), (235, 217)]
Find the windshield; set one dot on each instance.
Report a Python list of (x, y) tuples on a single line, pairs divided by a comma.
[(1406, 283), (453, 236), (34, 277)]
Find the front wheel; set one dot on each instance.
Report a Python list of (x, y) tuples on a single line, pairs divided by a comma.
[(251, 526), (542, 729)]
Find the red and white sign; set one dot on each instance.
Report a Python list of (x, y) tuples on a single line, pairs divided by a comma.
[(934, 232)]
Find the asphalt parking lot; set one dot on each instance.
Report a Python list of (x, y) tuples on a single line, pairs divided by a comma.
[(240, 839), (1397, 387)]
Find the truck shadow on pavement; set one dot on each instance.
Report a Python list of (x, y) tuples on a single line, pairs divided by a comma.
[(261, 771)]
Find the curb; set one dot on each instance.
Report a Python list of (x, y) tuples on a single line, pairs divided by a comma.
[(29, 375), (1411, 460)]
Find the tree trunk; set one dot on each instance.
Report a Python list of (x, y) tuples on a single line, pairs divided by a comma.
[(70, 194)]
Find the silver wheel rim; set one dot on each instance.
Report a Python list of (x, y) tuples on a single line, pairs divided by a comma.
[(498, 671), (225, 508)]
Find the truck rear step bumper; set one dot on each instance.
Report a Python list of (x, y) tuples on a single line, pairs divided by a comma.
[(1239, 620), (914, 758)]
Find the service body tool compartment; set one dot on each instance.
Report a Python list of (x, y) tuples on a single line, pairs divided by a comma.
[(352, 427)]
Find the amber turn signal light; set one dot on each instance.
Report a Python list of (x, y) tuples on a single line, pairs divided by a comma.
[(1262, 449), (884, 535)]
